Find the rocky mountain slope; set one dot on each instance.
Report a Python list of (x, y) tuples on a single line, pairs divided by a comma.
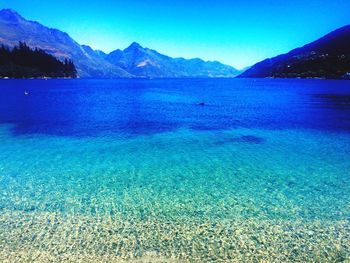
[(328, 57), (145, 62), (134, 61)]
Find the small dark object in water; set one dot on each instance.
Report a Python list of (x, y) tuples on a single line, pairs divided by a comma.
[(251, 139), (201, 104)]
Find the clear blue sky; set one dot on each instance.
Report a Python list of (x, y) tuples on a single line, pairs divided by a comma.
[(236, 32)]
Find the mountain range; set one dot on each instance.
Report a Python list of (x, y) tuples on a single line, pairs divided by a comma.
[(327, 57), (134, 61)]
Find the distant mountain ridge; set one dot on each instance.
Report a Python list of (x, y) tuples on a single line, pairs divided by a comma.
[(145, 62), (14, 28), (134, 61), (328, 57)]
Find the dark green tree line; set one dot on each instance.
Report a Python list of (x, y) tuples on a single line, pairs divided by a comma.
[(24, 62)]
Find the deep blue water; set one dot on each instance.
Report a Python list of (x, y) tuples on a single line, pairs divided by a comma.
[(271, 156), (136, 107)]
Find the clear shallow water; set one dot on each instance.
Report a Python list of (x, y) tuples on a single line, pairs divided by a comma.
[(99, 170)]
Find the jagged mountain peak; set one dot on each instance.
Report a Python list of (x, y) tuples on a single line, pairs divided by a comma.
[(145, 62), (15, 28), (134, 61), (134, 46), (10, 15), (9, 11)]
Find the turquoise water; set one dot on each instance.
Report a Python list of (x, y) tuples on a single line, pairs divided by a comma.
[(100, 171)]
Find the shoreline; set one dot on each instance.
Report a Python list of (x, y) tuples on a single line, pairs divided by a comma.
[(65, 78), (42, 78), (165, 78), (119, 238)]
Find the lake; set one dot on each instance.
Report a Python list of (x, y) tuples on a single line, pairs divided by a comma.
[(111, 170)]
